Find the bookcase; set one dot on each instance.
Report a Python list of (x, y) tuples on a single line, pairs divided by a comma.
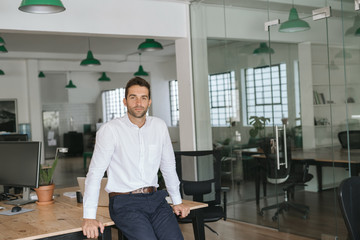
[(331, 96)]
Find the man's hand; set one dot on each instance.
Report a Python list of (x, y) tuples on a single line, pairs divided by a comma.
[(181, 210), (90, 228)]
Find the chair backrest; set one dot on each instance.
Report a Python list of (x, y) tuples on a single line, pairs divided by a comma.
[(349, 198), (199, 188), (277, 172), (354, 139)]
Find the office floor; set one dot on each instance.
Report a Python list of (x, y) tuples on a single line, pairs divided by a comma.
[(320, 223), (242, 207)]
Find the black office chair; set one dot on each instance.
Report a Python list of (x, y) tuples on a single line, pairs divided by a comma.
[(349, 198), (288, 174), (354, 139), (197, 189)]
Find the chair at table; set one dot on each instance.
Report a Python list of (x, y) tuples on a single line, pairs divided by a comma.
[(349, 199), (284, 172), (354, 139), (207, 191)]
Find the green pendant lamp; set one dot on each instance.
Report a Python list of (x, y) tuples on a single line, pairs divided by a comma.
[(41, 6), (104, 78), (357, 33), (2, 41), (351, 31), (294, 24), (2, 72), (70, 85), (150, 45), (141, 71), (263, 49), (41, 75), (3, 49), (90, 60)]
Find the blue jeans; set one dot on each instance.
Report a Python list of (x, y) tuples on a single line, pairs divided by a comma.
[(145, 216)]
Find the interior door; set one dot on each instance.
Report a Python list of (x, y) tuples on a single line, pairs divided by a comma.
[(316, 76)]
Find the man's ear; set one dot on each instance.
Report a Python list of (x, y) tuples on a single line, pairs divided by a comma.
[(149, 103), (124, 101)]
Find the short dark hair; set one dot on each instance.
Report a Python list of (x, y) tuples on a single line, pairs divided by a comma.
[(136, 81)]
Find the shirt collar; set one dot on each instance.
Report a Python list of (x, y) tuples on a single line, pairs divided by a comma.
[(129, 123)]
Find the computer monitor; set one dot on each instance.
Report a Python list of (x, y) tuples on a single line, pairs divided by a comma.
[(19, 167)]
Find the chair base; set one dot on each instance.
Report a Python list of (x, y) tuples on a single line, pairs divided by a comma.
[(286, 205)]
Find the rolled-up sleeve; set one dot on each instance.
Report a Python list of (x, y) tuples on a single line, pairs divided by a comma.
[(100, 161), (168, 170)]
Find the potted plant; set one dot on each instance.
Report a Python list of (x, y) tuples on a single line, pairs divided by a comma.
[(258, 128), (46, 187)]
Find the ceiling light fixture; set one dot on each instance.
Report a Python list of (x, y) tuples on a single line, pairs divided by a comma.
[(294, 23), (104, 78), (90, 60), (3, 49), (41, 6), (41, 75), (150, 45), (70, 84), (263, 49), (141, 71), (357, 33), (353, 29), (2, 41)]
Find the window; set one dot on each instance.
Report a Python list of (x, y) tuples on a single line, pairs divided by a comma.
[(266, 93), (174, 102), (113, 104), (223, 98)]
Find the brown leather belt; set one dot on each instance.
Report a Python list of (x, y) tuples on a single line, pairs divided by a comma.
[(140, 190)]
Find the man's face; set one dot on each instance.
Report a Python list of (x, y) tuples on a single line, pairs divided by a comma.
[(137, 101)]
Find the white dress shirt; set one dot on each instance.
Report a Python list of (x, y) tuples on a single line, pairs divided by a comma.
[(132, 157)]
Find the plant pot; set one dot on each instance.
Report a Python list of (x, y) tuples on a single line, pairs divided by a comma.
[(45, 194)]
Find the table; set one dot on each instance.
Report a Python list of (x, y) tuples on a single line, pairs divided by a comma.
[(63, 220), (319, 157)]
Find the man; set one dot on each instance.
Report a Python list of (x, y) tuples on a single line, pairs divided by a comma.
[(132, 149)]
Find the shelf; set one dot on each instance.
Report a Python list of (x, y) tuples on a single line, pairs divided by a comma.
[(322, 126)]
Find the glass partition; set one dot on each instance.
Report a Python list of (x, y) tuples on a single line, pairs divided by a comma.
[(248, 81)]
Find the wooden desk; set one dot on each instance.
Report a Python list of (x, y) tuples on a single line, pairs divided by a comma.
[(320, 157), (63, 220), (56, 221)]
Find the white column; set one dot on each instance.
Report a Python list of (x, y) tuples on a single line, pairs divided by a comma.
[(200, 71), (306, 89), (186, 102), (34, 101)]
